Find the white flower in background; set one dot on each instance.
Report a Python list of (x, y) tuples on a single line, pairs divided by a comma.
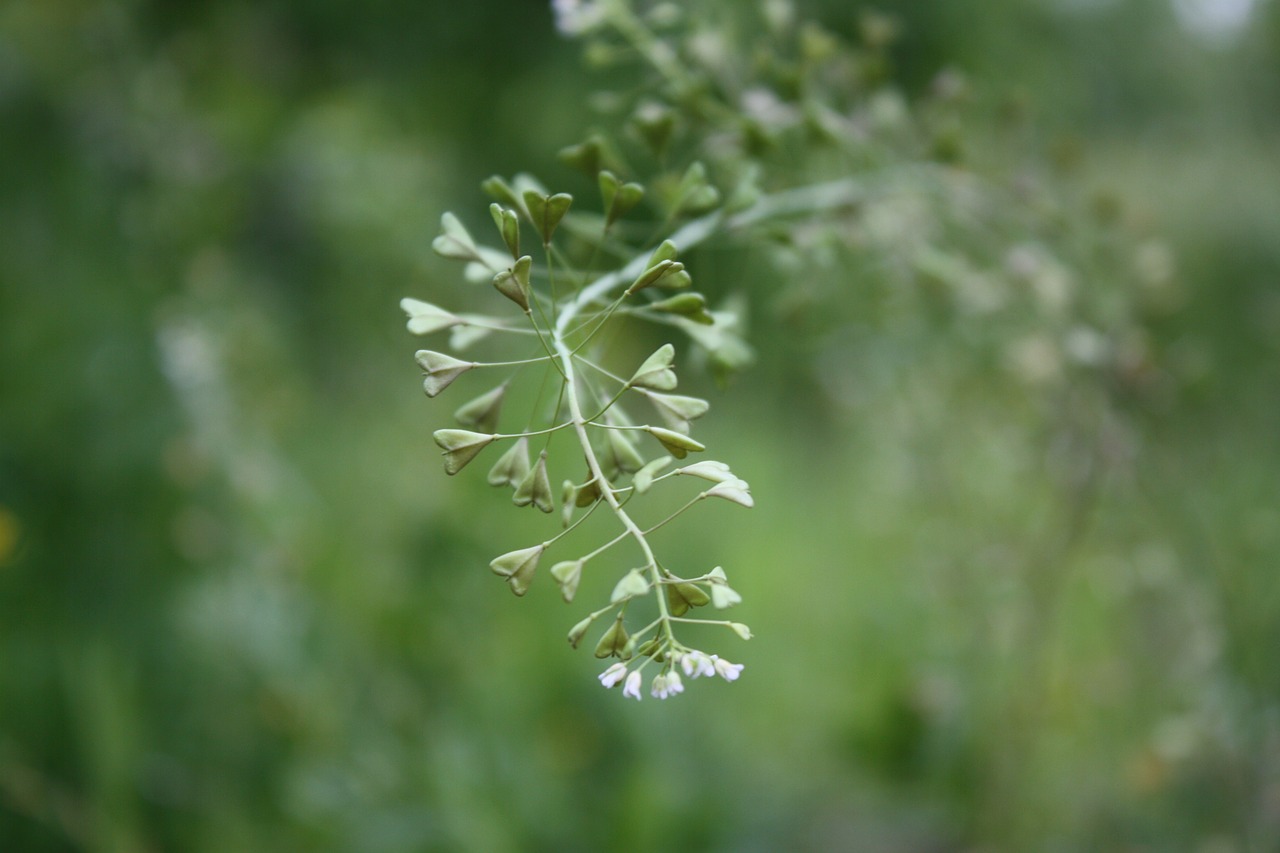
[(613, 674), (728, 671), (632, 687), (575, 17)]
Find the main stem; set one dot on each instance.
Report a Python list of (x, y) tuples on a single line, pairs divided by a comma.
[(593, 464)]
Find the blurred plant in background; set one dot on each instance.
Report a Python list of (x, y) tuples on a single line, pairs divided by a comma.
[(1011, 428)]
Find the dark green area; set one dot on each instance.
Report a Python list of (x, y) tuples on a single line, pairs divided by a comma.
[(242, 609)]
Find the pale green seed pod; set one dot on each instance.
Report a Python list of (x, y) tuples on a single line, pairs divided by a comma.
[(460, 447), (633, 584), (440, 370), (535, 488), (425, 318), (677, 445), (656, 372), (567, 575), (482, 412)]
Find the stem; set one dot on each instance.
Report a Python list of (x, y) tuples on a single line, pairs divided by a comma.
[(681, 511), (531, 433), (593, 462)]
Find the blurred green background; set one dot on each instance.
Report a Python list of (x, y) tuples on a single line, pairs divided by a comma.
[(241, 609)]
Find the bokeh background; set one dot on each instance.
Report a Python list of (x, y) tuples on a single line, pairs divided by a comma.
[(241, 608)]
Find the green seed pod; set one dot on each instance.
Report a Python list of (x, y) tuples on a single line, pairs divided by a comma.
[(425, 318), (455, 241), (508, 226), (621, 453), (633, 584), (724, 596), (460, 446), (514, 283), (666, 251), (643, 479), (654, 275), (587, 494), (677, 410), (535, 488), (613, 641), (708, 469), (677, 445), (518, 567), (577, 632), (440, 370), (482, 412), (732, 490), (512, 466), (567, 575), (690, 305), (656, 372), (682, 596), (546, 212)]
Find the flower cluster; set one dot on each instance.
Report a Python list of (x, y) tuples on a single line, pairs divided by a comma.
[(668, 682)]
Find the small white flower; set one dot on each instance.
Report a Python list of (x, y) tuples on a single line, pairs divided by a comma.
[(632, 687), (696, 664), (728, 671), (613, 674), (667, 684)]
